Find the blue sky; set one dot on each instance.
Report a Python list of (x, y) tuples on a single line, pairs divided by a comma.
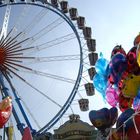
[(112, 22)]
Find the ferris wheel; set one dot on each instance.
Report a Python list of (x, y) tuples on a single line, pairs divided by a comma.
[(46, 52)]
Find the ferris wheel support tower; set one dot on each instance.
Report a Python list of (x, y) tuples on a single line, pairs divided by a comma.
[(5, 22)]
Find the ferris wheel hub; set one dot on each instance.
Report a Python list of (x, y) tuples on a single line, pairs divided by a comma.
[(2, 55)]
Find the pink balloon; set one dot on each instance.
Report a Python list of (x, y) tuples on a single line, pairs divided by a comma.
[(112, 96)]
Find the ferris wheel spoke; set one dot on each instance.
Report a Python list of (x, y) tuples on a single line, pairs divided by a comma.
[(19, 57), (9, 44), (33, 87), (11, 50), (19, 49), (45, 30), (17, 65), (35, 60), (20, 17), (10, 66), (32, 24), (54, 43), (15, 57), (10, 39), (25, 105), (35, 21), (3, 44), (4, 39), (15, 45), (6, 71), (15, 50), (12, 44), (31, 114), (18, 61), (48, 75), (50, 44), (0, 30)]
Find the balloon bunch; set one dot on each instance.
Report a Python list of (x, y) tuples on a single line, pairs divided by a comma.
[(118, 81)]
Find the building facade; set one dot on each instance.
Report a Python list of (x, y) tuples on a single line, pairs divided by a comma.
[(75, 129)]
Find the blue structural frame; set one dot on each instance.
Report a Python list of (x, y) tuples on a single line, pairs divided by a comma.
[(6, 93), (75, 88)]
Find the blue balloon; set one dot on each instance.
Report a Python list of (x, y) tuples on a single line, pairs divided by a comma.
[(101, 65), (138, 95), (136, 101), (124, 117), (100, 83)]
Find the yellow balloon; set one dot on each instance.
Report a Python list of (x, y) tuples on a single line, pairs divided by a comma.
[(131, 86), (138, 55)]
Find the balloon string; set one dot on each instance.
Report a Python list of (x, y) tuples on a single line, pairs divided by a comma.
[(124, 131), (110, 133), (137, 132), (136, 113)]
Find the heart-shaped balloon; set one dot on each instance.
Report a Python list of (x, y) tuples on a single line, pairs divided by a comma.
[(99, 118), (103, 118)]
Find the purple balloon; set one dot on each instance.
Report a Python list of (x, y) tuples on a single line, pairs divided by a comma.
[(117, 67)]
